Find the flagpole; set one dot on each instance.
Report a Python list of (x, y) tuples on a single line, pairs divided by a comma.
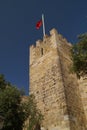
[(43, 25)]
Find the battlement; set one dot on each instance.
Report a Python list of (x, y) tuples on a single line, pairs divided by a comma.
[(48, 43)]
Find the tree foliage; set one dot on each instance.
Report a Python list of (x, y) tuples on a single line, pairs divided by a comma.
[(10, 106), (33, 114), (79, 56), (14, 110), (3, 83)]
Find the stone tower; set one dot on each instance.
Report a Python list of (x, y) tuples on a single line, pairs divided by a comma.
[(55, 88)]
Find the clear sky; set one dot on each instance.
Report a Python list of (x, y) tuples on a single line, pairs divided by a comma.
[(17, 31)]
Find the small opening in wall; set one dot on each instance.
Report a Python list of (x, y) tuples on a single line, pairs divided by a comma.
[(41, 51), (54, 83), (37, 92)]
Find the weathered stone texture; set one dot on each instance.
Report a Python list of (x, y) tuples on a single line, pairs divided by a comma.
[(55, 88), (83, 90)]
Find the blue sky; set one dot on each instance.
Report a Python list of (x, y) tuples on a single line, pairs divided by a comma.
[(17, 31)]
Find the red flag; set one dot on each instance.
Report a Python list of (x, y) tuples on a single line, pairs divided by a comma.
[(38, 24)]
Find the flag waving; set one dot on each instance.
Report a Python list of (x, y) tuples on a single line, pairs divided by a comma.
[(38, 24)]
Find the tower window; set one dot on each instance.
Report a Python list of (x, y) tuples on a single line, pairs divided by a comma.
[(41, 51)]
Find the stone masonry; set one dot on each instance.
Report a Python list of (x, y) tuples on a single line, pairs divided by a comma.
[(57, 91)]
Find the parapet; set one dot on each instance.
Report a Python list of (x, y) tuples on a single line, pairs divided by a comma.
[(38, 43), (53, 32), (44, 46)]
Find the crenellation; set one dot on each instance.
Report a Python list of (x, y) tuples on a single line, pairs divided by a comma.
[(53, 32), (38, 43)]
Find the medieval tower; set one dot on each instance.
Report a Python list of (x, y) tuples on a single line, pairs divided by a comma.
[(56, 90)]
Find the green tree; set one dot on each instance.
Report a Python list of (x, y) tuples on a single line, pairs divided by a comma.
[(33, 114), (79, 56), (10, 106), (15, 111), (3, 83)]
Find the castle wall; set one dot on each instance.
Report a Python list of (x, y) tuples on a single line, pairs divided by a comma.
[(72, 92), (55, 89), (83, 90), (46, 85)]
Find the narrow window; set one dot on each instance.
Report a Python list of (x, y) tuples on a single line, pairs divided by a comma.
[(41, 51)]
